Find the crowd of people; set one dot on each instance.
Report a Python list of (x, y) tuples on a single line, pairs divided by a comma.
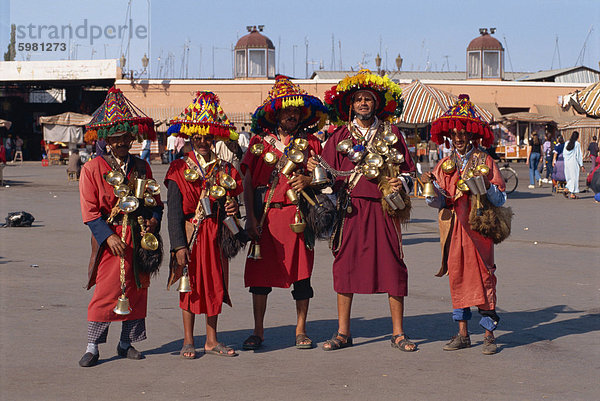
[(353, 190)]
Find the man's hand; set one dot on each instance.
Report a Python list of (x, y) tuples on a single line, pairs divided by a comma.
[(298, 182), (312, 162), (182, 257), (151, 225), (231, 207), (395, 183), (116, 246), (252, 228), (427, 177)]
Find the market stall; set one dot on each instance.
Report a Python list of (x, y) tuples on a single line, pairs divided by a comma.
[(62, 132), (515, 130)]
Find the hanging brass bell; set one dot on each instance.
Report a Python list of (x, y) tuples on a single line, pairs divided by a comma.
[(299, 224), (482, 169), (295, 155), (254, 251), (184, 283), (149, 200), (257, 149), (139, 187), (121, 191), (227, 181), (319, 176), (428, 190), (217, 191), (190, 175), (128, 204), (122, 307), (462, 186), (374, 160), (344, 146), (149, 242)]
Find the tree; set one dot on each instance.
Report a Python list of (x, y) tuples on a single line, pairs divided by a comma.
[(11, 53)]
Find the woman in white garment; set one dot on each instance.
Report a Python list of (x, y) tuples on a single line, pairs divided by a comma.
[(573, 163)]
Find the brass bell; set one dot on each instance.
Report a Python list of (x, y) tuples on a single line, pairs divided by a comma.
[(344, 146), (448, 166), (482, 169), (217, 191), (319, 176), (254, 251), (149, 200), (270, 158), (121, 191), (389, 137), (257, 149), (184, 283), (300, 143), (374, 160), (428, 190), (128, 204), (292, 196), (114, 178), (288, 168), (152, 186), (299, 224), (227, 181), (149, 242), (139, 187), (370, 172), (122, 307), (190, 175)]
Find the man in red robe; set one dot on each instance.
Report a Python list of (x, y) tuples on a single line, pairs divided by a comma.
[(115, 267), (207, 264), (284, 125), (369, 258), (469, 259)]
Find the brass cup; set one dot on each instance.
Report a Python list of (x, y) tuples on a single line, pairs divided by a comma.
[(448, 166), (382, 149), (149, 242), (139, 187), (472, 185), (374, 160), (395, 201), (114, 178), (121, 191), (355, 156), (292, 196), (217, 191), (122, 307), (205, 204), (300, 143), (288, 168), (480, 182), (295, 155), (370, 172), (231, 224), (190, 175), (257, 149), (227, 181), (149, 200), (462, 186), (270, 158), (344, 146), (299, 224), (152, 186), (482, 169), (128, 204)]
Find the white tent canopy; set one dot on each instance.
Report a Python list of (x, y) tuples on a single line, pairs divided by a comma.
[(66, 127)]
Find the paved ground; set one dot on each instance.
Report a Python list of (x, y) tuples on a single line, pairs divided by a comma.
[(548, 291)]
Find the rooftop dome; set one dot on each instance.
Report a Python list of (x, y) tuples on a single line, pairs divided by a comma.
[(254, 40), (485, 42)]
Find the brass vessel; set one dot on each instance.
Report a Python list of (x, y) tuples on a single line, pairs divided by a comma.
[(190, 175), (257, 149), (448, 166)]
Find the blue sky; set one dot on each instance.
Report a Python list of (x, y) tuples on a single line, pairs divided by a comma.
[(428, 34)]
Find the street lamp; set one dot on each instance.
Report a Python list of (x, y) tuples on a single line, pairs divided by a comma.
[(399, 62)]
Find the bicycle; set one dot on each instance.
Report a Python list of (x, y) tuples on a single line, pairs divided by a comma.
[(510, 178)]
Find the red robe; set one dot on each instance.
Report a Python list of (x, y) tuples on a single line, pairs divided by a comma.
[(471, 255), (370, 258), (285, 258), (208, 269), (97, 200)]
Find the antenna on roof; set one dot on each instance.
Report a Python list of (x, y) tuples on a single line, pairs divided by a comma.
[(509, 59)]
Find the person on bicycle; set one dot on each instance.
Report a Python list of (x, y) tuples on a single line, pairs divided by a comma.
[(469, 258)]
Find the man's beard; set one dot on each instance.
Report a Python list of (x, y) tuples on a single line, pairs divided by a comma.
[(365, 117)]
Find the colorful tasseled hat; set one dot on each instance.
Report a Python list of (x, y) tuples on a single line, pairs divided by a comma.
[(287, 94), (204, 116), (462, 115), (387, 96), (117, 115)]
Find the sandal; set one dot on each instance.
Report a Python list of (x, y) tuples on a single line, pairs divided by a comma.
[(404, 344), (188, 349), (303, 342), (573, 196), (252, 343), (337, 343), (221, 350)]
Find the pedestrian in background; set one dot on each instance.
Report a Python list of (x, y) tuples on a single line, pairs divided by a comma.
[(534, 153), (573, 163), (592, 151), (145, 153), (548, 156)]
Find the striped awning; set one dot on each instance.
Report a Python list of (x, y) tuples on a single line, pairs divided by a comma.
[(588, 100), (423, 104), (68, 118)]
